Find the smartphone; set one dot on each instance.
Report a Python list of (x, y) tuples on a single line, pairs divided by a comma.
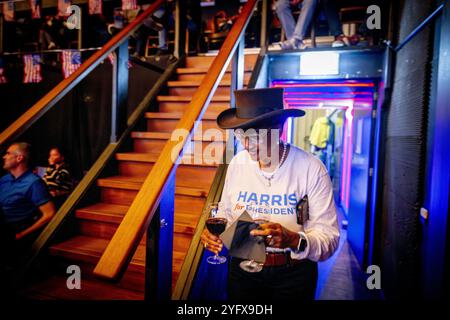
[(302, 210)]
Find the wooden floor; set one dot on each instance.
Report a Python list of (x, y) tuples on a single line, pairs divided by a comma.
[(341, 277)]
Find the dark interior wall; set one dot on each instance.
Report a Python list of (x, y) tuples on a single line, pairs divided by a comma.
[(405, 153), (435, 244), (81, 121)]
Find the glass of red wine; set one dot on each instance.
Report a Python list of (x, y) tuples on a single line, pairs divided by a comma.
[(215, 225)]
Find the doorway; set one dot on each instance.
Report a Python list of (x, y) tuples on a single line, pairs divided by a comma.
[(338, 129)]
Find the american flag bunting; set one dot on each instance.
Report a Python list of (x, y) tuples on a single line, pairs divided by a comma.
[(8, 11), (129, 5), (35, 6), (71, 61), (32, 68), (95, 6), (62, 7)]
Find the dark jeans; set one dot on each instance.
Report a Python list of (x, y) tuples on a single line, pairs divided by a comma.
[(329, 10), (291, 282)]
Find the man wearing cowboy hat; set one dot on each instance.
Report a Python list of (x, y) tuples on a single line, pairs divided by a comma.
[(269, 179)]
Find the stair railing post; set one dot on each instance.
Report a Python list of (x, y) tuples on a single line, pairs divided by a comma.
[(237, 82), (264, 23), (180, 32), (237, 70), (119, 97), (159, 247)]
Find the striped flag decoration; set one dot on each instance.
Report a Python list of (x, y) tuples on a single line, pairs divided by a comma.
[(32, 68), (129, 5), (71, 61), (95, 7), (63, 5), (35, 6), (2, 72), (8, 11)]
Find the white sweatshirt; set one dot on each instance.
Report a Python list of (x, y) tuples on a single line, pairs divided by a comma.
[(301, 174)]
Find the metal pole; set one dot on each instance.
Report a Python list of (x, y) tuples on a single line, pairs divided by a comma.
[(159, 247), (177, 40), (114, 99), (1, 33), (119, 91), (264, 23), (79, 31), (237, 70), (420, 27)]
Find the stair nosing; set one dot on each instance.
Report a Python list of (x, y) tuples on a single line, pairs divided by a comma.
[(152, 157), (166, 135), (175, 98), (137, 184), (176, 116)]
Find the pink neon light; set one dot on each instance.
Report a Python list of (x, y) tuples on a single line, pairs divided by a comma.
[(348, 160), (317, 99)]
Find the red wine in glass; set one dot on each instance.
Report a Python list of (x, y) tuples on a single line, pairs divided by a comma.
[(216, 226)]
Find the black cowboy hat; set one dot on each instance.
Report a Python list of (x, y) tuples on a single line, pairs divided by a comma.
[(258, 109)]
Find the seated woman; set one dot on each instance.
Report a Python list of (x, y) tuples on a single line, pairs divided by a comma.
[(57, 177)]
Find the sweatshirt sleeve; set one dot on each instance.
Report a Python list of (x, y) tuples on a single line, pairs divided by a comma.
[(321, 230)]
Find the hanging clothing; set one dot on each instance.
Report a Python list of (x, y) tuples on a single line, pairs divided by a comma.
[(320, 132)]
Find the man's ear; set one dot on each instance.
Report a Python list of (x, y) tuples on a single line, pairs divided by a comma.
[(20, 158)]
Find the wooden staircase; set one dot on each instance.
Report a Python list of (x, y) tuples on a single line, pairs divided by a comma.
[(98, 222)]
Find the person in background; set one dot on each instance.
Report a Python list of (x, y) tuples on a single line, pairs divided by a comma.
[(296, 31), (328, 8), (57, 177), (158, 21), (47, 34), (24, 198)]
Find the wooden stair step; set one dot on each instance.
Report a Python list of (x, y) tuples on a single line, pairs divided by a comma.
[(167, 136), (210, 144), (177, 115), (200, 70), (114, 213), (135, 184), (89, 249), (172, 98), (105, 212), (189, 84), (187, 160), (55, 288), (168, 121), (206, 61), (184, 89), (181, 107)]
